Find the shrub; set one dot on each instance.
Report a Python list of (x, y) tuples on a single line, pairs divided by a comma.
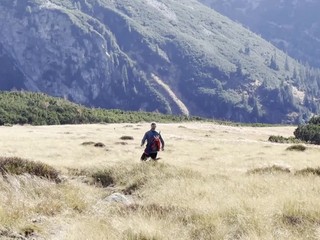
[(297, 147), (18, 166), (281, 139), (310, 132), (315, 120)]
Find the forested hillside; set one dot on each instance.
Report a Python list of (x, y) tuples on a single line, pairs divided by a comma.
[(41, 109), (292, 26)]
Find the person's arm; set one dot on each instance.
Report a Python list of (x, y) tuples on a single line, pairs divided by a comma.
[(144, 139)]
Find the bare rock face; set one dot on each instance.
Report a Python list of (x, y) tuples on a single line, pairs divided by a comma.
[(55, 55)]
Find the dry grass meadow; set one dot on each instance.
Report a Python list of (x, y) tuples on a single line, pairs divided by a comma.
[(212, 182)]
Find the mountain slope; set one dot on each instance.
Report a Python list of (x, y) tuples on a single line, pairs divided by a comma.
[(112, 54), (293, 26)]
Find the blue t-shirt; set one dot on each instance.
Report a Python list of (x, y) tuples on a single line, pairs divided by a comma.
[(149, 136)]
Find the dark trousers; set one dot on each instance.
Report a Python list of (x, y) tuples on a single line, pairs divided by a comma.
[(145, 156)]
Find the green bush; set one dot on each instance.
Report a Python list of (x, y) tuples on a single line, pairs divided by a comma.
[(18, 166), (315, 120), (309, 132)]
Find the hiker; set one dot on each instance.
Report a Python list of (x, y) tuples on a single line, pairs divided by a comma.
[(154, 143)]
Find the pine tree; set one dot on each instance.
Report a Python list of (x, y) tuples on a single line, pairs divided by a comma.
[(286, 64), (273, 63)]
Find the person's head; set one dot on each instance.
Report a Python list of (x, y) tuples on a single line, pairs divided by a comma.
[(153, 126)]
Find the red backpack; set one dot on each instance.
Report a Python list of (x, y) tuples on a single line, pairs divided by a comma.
[(156, 143)]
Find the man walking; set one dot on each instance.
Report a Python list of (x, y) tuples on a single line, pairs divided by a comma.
[(154, 143)]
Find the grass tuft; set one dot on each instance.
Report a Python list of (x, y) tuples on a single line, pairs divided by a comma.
[(99, 144), (132, 235), (133, 177), (297, 147), (269, 170), (299, 219), (126, 138), (88, 143), (19, 166), (103, 178), (309, 171)]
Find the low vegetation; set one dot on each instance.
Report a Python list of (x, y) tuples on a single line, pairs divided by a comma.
[(126, 138), (309, 170), (281, 139), (41, 109), (297, 147), (309, 132), (18, 166), (269, 170)]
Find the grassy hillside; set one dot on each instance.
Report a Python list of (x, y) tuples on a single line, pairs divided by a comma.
[(212, 182), (41, 109)]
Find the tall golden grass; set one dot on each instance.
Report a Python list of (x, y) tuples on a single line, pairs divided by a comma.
[(212, 182)]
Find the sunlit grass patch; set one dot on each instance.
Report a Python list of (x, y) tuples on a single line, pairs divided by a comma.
[(156, 210), (132, 177), (178, 197), (24, 197), (299, 219), (90, 227)]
